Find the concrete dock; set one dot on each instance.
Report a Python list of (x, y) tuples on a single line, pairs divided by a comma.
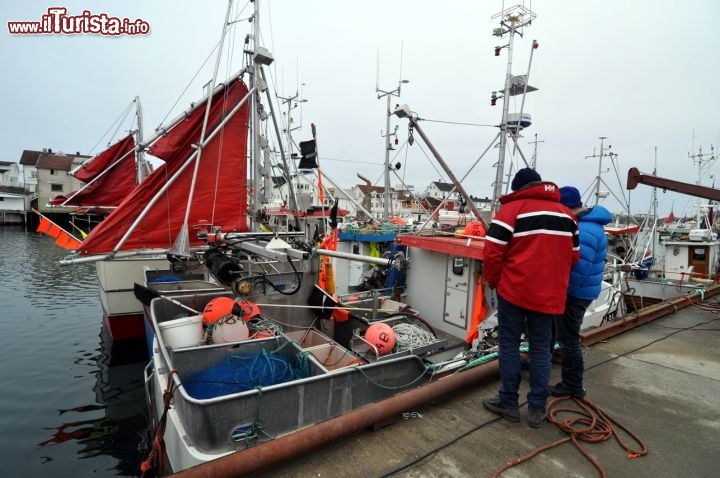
[(660, 380)]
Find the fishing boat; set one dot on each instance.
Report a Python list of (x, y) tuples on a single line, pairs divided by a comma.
[(263, 366), (683, 265), (214, 156)]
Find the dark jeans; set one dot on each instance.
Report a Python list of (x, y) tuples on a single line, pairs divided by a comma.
[(511, 321), (568, 337)]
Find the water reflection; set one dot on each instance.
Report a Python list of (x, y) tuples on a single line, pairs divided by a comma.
[(117, 420), (73, 402)]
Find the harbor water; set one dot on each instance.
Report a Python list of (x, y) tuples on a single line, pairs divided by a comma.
[(72, 402)]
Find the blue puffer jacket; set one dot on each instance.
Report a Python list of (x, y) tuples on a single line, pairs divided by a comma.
[(586, 275)]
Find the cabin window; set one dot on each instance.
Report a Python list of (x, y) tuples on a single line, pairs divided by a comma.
[(56, 188), (52, 171), (698, 254)]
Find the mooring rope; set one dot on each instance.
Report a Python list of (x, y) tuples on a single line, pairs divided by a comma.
[(589, 423), (158, 449)]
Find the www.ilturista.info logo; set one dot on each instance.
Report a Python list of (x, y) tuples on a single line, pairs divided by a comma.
[(58, 22)]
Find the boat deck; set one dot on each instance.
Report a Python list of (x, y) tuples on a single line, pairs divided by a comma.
[(660, 380)]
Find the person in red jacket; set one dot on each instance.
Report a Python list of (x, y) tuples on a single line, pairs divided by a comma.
[(530, 247)]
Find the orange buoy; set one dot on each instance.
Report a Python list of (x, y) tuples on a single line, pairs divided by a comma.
[(248, 310), (475, 228), (382, 336), (217, 308)]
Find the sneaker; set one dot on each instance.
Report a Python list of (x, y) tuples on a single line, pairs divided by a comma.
[(560, 390), (536, 417), (495, 406)]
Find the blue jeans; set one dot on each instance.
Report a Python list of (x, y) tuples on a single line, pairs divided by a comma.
[(511, 320), (568, 337)]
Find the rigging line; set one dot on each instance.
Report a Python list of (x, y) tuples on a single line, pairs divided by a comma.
[(228, 67), (407, 150), (440, 175), (282, 119), (127, 112), (220, 154), (206, 118), (325, 158), (120, 119), (197, 72), (187, 87), (458, 123)]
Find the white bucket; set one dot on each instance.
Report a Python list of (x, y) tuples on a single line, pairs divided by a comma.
[(184, 332)]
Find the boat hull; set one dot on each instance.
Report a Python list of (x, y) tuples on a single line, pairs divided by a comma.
[(122, 312)]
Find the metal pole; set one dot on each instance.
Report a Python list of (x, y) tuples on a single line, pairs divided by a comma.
[(198, 156), (447, 170), (139, 153), (386, 201), (597, 186), (286, 169), (354, 257), (255, 160), (503, 125)]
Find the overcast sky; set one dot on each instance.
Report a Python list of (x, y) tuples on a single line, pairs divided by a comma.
[(642, 73)]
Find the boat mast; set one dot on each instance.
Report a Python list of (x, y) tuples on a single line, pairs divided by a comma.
[(388, 146), (655, 203), (254, 79), (292, 103), (511, 21), (599, 176), (701, 159), (599, 179), (140, 168), (533, 163)]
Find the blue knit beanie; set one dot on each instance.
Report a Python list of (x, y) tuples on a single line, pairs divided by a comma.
[(523, 177), (570, 197)]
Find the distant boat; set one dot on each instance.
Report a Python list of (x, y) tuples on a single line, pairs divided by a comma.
[(673, 265), (108, 177)]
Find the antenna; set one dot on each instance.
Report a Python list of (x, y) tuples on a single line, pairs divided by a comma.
[(702, 159), (533, 163), (377, 69), (512, 20), (401, 61)]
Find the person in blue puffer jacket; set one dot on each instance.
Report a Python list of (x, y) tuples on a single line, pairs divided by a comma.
[(585, 285)]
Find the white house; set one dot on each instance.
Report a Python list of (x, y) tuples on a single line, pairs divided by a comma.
[(440, 190), (9, 174)]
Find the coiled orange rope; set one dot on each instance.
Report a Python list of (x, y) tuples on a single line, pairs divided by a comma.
[(588, 423)]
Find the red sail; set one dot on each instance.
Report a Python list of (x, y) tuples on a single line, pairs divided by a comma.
[(220, 195), (113, 186)]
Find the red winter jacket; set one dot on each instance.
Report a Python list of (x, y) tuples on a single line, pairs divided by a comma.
[(530, 248)]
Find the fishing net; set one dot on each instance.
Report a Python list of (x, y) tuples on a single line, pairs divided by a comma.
[(239, 373)]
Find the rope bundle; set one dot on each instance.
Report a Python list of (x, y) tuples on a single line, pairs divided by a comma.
[(409, 336), (589, 423)]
